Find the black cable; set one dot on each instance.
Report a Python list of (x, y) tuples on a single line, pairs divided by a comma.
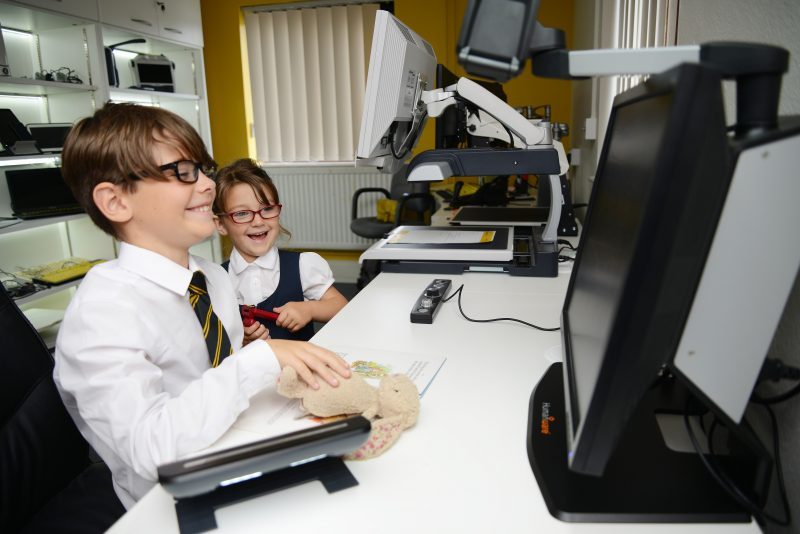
[(775, 370), (459, 291), (392, 134), (778, 467), (760, 515), (562, 258), (755, 397), (579, 205), (732, 490), (566, 244)]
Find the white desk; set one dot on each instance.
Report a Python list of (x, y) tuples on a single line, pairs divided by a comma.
[(464, 466)]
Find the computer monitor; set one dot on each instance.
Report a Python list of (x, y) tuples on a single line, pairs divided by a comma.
[(634, 280), (401, 66), (662, 182)]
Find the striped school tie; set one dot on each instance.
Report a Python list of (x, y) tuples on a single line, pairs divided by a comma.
[(217, 341)]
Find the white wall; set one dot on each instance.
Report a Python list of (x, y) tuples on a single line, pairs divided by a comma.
[(764, 21)]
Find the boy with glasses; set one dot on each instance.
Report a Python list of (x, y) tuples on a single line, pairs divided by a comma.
[(149, 357), (296, 286)]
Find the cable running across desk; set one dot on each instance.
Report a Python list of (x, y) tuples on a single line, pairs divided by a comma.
[(459, 291)]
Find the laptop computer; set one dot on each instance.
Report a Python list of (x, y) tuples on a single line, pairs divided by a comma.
[(503, 216), (50, 136), (36, 193)]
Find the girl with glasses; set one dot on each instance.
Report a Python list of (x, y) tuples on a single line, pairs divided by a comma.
[(297, 286)]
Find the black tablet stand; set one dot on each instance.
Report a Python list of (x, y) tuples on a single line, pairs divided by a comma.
[(196, 514)]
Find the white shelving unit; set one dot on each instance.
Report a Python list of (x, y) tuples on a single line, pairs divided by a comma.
[(70, 36)]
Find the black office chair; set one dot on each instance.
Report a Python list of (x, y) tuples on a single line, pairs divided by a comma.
[(48, 483), (411, 197)]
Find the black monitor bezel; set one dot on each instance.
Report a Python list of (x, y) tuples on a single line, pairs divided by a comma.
[(681, 215)]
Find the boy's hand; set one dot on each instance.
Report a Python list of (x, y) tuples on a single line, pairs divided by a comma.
[(293, 315), (309, 360), (255, 331)]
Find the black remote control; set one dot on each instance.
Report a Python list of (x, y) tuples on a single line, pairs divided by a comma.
[(427, 304)]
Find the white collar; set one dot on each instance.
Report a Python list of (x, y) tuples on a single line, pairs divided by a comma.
[(267, 261), (156, 268)]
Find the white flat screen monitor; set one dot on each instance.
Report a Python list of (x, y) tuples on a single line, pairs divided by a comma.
[(401, 66)]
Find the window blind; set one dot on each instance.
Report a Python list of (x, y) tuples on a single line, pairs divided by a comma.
[(629, 24), (308, 71), (644, 24)]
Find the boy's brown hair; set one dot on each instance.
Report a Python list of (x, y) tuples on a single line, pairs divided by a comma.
[(248, 172), (116, 145)]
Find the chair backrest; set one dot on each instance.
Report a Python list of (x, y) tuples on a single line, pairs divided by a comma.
[(399, 186), (41, 450)]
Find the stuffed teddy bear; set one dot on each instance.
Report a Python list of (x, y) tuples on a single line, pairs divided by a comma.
[(392, 407)]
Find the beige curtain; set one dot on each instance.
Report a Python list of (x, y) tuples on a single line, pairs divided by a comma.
[(644, 24), (308, 71)]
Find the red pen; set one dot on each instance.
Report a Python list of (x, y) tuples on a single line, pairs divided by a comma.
[(250, 313)]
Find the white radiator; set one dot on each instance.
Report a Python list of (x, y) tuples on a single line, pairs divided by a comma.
[(317, 202)]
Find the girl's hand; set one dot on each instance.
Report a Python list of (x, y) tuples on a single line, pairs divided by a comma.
[(310, 361), (293, 315), (255, 331)]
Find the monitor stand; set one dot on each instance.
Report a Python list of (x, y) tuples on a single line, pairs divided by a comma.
[(644, 481)]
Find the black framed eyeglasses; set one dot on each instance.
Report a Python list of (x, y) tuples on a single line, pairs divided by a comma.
[(246, 216), (186, 171)]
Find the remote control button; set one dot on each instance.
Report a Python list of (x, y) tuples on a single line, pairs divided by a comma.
[(428, 303)]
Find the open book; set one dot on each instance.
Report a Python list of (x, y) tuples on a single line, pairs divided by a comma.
[(274, 414)]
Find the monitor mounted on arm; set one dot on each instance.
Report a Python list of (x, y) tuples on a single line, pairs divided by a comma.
[(669, 309)]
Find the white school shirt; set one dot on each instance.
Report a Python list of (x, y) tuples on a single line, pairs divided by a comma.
[(255, 282), (132, 366)]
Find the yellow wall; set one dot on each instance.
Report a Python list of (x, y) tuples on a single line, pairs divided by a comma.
[(437, 21)]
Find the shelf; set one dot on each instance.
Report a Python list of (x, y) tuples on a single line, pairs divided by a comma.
[(29, 87), (141, 94), (30, 159), (35, 223), (45, 292)]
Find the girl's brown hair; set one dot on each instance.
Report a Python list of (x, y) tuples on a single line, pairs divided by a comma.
[(248, 172), (116, 145)]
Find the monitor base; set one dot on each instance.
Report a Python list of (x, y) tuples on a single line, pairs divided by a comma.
[(644, 481)]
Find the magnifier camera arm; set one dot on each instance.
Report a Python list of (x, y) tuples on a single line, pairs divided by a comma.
[(565, 64), (439, 99)]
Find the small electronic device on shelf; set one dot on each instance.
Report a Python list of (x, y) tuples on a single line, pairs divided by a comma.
[(15, 139), (50, 136), (67, 273), (39, 192), (153, 72)]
